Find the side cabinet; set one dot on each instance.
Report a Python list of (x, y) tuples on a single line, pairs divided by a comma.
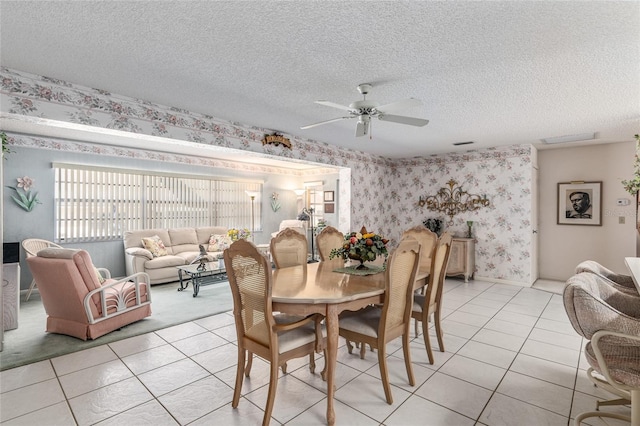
[(462, 260)]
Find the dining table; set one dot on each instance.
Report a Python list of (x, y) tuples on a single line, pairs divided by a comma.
[(633, 263), (316, 288)]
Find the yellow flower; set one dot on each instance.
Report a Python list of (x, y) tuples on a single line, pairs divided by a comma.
[(369, 235)]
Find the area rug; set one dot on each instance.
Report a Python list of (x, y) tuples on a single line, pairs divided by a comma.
[(30, 343)]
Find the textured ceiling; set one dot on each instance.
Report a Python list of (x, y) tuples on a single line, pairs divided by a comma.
[(497, 73)]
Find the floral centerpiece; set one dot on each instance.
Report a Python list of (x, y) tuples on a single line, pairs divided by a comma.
[(362, 246), (238, 234)]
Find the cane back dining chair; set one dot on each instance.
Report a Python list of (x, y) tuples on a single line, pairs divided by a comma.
[(275, 338), (80, 303), (610, 320), (328, 239), (31, 247), (378, 325), (621, 282), (427, 240), (288, 248), (424, 306)]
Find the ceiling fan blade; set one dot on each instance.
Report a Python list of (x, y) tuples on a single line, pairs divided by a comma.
[(399, 105), (404, 120), (335, 105), (324, 122)]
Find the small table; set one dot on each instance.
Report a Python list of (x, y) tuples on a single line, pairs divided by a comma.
[(201, 274)]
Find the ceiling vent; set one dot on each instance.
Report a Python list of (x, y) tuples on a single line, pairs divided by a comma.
[(570, 138), (463, 143)]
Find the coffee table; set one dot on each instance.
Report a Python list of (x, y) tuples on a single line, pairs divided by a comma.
[(201, 274)]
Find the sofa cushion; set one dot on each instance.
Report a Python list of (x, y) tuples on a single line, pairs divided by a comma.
[(219, 242), (155, 246), (183, 236), (164, 262)]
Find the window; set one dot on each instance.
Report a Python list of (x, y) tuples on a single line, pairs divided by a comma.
[(95, 203)]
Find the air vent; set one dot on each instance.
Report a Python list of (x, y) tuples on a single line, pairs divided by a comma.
[(463, 143), (570, 138)]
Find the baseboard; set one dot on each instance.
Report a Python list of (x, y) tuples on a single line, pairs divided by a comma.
[(499, 281)]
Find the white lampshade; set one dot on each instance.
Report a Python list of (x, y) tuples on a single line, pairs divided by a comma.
[(252, 194), (299, 192)]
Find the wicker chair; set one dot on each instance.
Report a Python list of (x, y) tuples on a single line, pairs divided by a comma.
[(610, 319), (427, 240), (431, 304), (288, 248), (31, 247), (378, 325), (276, 339), (623, 283), (328, 239)]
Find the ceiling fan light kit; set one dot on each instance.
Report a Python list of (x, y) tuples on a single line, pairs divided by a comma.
[(363, 110)]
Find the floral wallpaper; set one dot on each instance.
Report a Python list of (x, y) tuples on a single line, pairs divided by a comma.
[(387, 204)]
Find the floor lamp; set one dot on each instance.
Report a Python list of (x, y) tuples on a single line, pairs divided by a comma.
[(252, 195)]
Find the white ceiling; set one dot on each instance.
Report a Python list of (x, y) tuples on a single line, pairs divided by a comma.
[(497, 73)]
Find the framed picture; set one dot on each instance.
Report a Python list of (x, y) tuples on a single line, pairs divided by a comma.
[(329, 196), (580, 203), (329, 208)]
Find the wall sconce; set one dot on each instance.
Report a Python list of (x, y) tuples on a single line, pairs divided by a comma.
[(453, 200)]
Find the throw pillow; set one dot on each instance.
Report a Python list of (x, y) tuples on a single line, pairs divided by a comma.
[(100, 277), (219, 242), (155, 246)]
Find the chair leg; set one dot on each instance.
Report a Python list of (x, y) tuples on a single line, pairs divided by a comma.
[(363, 350), (439, 329), (31, 287), (273, 384), (415, 326), (384, 373), (247, 370), (239, 373), (350, 346), (407, 357), (284, 368), (323, 373), (427, 340), (312, 363)]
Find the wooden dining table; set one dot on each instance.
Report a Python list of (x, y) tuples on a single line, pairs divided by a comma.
[(316, 288)]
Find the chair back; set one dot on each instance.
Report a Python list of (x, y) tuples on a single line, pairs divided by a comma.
[(33, 245), (596, 268), (439, 263), (592, 304), (400, 275), (328, 239), (251, 283), (288, 248), (64, 277), (427, 240)]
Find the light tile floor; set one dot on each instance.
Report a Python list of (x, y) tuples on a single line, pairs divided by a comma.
[(511, 358)]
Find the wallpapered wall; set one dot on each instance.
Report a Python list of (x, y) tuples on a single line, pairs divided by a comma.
[(384, 192)]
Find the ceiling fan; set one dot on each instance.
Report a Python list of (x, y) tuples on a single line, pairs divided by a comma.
[(364, 110)]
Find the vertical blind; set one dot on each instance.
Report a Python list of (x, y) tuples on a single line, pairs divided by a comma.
[(94, 203)]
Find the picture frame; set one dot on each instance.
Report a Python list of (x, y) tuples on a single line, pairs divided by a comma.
[(329, 208), (329, 196), (580, 203)]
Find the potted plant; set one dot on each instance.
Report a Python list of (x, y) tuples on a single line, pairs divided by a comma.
[(632, 186), (434, 225)]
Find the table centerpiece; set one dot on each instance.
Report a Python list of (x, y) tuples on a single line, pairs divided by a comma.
[(362, 246)]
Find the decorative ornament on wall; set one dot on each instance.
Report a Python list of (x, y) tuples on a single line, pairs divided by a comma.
[(275, 204), (26, 199), (276, 139), (632, 186), (453, 200)]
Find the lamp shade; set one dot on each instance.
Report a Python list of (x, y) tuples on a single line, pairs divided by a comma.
[(299, 192), (252, 194)]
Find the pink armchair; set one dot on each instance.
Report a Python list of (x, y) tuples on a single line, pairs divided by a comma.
[(79, 302)]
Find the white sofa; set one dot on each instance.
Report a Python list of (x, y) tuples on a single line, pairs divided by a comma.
[(181, 245)]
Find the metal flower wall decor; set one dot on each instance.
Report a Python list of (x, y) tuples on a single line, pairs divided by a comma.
[(26, 199), (275, 204)]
